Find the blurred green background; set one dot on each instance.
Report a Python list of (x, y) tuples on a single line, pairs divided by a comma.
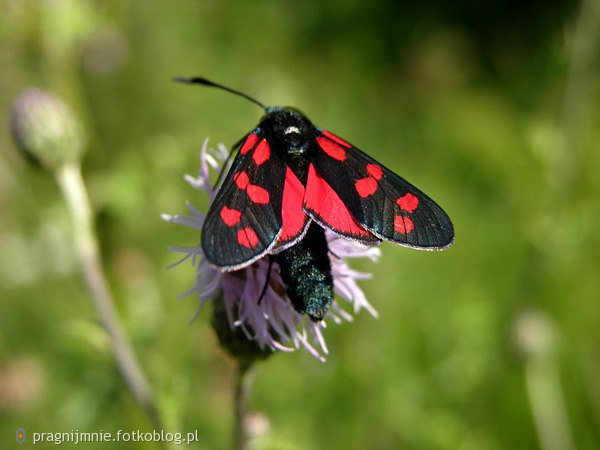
[(492, 108)]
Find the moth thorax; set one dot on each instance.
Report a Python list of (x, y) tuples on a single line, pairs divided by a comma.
[(291, 130), (296, 143)]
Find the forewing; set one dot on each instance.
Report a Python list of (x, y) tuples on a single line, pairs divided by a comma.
[(244, 220), (383, 203)]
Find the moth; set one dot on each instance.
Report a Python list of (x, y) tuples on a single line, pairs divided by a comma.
[(289, 182)]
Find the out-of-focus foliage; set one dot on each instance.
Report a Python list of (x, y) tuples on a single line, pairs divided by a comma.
[(490, 107)]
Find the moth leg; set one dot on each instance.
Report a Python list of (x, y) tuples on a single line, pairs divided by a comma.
[(332, 253), (264, 289)]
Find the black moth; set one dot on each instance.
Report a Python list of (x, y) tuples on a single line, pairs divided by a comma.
[(288, 183)]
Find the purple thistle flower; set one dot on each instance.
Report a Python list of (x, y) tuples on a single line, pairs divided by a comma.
[(273, 323)]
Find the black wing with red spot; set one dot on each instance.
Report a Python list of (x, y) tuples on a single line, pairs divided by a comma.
[(244, 220), (378, 200)]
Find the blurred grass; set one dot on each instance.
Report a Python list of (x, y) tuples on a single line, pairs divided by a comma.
[(489, 107)]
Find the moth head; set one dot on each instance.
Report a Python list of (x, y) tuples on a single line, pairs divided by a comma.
[(288, 127)]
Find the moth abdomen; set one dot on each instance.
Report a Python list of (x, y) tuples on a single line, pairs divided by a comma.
[(306, 272)]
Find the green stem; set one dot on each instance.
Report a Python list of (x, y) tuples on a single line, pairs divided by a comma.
[(73, 188), (244, 380), (548, 404), (542, 373), (578, 99)]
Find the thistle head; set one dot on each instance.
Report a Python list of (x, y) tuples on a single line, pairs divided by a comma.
[(45, 129)]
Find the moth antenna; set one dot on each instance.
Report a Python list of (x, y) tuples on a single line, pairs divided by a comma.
[(205, 82)]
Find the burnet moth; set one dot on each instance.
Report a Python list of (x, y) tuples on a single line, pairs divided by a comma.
[(291, 180)]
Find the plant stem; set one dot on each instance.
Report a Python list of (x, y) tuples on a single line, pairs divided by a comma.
[(542, 373), (548, 405), (244, 380), (73, 189)]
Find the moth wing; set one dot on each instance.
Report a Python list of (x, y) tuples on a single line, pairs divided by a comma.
[(244, 220), (379, 201)]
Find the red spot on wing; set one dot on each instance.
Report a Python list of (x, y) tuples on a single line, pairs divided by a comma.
[(262, 152), (403, 224), (293, 217), (333, 137), (408, 202), (258, 194), (230, 216), (249, 143), (375, 171), (366, 186), (323, 201), (241, 180), (333, 149), (247, 237)]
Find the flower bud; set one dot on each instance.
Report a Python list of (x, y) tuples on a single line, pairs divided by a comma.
[(45, 129), (535, 334), (234, 340)]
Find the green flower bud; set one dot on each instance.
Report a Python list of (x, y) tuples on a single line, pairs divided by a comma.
[(45, 129), (235, 340)]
